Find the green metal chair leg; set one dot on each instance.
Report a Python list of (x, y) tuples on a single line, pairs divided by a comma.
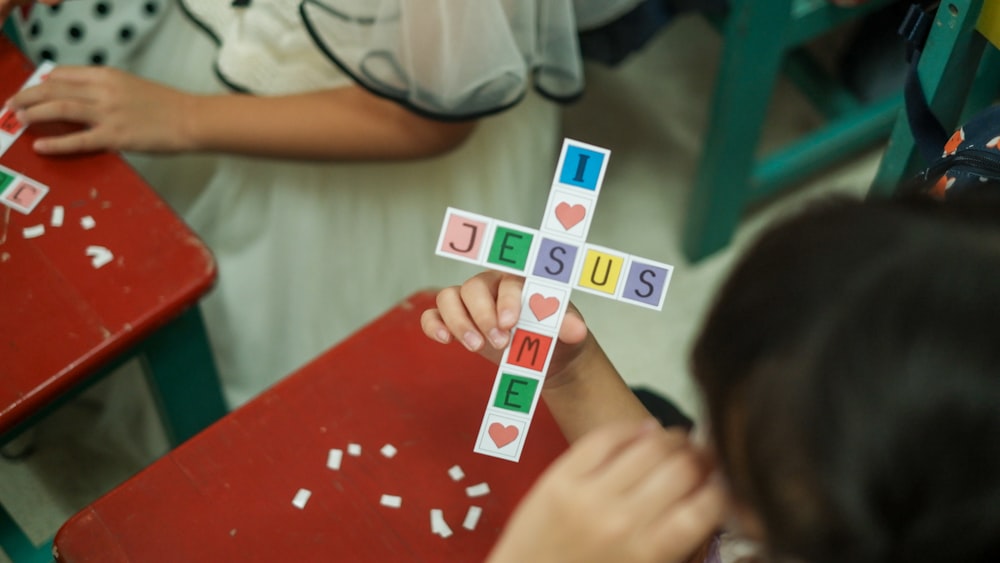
[(986, 84), (745, 80), (182, 377), (947, 67), (16, 544)]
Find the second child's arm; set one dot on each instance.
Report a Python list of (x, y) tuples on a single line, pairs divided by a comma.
[(120, 111)]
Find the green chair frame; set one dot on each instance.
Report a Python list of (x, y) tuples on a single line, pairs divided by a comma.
[(960, 75), (761, 39)]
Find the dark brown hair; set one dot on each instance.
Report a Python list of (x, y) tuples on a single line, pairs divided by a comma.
[(851, 369)]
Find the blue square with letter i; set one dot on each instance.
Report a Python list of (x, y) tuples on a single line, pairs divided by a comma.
[(581, 168)]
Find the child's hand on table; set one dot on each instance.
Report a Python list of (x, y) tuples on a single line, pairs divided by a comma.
[(119, 111), (481, 313), (628, 492)]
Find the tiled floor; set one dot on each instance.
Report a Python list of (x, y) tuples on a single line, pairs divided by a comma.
[(651, 113)]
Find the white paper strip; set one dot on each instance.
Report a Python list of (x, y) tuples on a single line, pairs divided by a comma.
[(391, 500), (301, 498), (456, 473), (87, 222), (34, 231), (482, 489), (334, 458), (472, 517), (388, 450), (354, 449), (99, 256), (438, 525), (57, 216)]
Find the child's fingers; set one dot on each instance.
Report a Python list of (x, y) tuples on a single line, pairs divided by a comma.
[(479, 294), (673, 479), (509, 290), (455, 315), (690, 522), (75, 83), (434, 327), (574, 328), (591, 452), (632, 464), (74, 111), (80, 142), (46, 91)]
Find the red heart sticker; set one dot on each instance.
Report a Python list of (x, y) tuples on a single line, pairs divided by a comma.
[(502, 435), (543, 307), (570, 215)]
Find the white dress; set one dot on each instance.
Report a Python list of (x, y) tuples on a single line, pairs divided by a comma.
[(310, 252)]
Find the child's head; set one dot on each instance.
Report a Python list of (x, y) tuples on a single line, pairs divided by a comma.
[(851, 368)]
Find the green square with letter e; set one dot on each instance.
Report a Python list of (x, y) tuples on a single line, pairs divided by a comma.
[(510, 248), (516, 393)]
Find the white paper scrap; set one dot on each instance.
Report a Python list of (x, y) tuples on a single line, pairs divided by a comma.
[(57, 216), (301, 498), (456, 473), (479, 490), (388, 450), (472, 517), (87, 222), (438, 525), (334, 458), (34, 231), (354, 449), (99, 256), (391, 500)]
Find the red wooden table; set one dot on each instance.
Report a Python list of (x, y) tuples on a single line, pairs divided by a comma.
[(226, 494), (64, 322), (63, 319)]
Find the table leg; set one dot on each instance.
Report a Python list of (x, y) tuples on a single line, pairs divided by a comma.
[(182, 377)]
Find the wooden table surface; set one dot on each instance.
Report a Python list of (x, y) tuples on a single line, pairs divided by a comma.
[(226, 494), (62, 319)]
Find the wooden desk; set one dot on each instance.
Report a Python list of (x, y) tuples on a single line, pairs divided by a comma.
[(226, 494)]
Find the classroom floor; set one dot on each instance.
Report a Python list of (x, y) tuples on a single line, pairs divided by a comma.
[(651, 113)]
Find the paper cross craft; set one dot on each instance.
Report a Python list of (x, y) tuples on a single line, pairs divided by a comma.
[(554, 260)]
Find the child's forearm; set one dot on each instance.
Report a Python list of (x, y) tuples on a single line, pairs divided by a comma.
[(342, 124), (590, 393)]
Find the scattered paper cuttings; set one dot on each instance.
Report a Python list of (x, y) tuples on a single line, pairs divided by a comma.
[(87, 222), (301, 498), (335, 460), (33, 231), (58, 213), (391, 501), (99, 256)]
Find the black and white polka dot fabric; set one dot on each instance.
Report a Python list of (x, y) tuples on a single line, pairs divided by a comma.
[(88, 32)]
